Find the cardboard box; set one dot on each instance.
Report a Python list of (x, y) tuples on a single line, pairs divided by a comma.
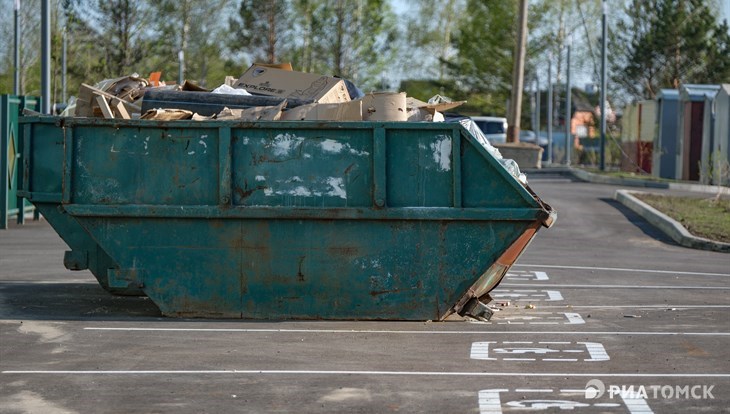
[(384, 106), (263, 80), (345, 111)]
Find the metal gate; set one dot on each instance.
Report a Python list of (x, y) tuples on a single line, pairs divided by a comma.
[(11, 108)]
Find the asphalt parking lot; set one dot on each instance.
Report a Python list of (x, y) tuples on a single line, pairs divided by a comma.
[(602, 314)]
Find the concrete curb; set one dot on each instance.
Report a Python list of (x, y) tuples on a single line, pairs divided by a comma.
[(637, 182), (668, 225)]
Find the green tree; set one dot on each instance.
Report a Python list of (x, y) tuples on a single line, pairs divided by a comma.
[(485, 44), (85, 54), (357, 38), (666, 43), (194, 28), (119, 25), (309, 24), (261, 29), (29, 47), (717, 69), (430, 27)]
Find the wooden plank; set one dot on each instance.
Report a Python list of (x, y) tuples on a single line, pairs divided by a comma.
[(104, 106), (110, 96), (121, 110)]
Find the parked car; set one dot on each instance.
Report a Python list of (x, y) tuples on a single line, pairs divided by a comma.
[(531, 138), (494, 128)]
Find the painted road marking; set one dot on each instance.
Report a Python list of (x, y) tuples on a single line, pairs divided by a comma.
[(532, 295), (538, 318), (665, 306), (618, 269), (539, 351), (589, 286), (490, 402), (525, 276), (375, 373), (366, 331)]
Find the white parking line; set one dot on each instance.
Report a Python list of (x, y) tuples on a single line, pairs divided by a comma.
[(532, 390), (574, 318), (596, 351), (541, 276), (589, 286), (554, 295), (637, 405), (366, 331), (525, 276), (489, 401), (527, 294), (665, 306), (618, 269), (376, 373), (538, 318)]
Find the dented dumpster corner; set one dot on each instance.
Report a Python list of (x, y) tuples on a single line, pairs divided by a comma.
[(284, 220)]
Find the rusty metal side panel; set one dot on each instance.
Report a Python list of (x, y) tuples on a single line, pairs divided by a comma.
[(303, 269)]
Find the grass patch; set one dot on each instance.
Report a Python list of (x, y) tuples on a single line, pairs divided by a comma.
[(703, 217)]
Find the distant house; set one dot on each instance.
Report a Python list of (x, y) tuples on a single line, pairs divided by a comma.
[(637, 136)]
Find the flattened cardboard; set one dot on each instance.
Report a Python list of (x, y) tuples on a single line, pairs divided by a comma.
[(290, 84), (167, 114), (257, 113), (422, 111), (345, 111)]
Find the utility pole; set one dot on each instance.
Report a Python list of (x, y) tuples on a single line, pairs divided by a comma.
[(45, 56), (603, 86), (63, 65), (550, 109), (16, 63), (181, 67), (537, 110), (518, 75), (568, 109)]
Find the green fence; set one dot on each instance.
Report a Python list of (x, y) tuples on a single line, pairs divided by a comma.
[(11, 108)]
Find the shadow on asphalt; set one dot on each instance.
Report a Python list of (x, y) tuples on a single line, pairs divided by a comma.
[(643, 225), (34, 301), (70, 301)]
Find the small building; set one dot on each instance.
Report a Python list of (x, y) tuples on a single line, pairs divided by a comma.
[(696, 103), (664, 156), (716, 142), (637, 136)]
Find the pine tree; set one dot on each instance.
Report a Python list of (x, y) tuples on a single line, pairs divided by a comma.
[(666, 43), (261, 29)]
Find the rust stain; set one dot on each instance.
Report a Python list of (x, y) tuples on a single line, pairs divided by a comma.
[(300, 275), (693, 349), (347, 251), (349, 168), (243, 194), (382, 292)]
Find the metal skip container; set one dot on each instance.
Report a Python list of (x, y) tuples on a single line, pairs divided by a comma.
[(282, 220)]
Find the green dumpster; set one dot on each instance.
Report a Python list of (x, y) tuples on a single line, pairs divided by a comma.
[(11, 107), (284, 220)]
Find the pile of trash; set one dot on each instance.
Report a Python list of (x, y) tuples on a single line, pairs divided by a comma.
[(264, 93)]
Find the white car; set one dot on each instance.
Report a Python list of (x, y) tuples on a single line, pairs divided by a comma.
[(494, 128)]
